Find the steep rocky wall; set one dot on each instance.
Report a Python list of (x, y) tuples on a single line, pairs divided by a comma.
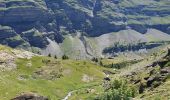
[(55, 19)]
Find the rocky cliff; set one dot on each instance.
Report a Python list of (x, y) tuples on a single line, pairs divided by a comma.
[(90, 25)]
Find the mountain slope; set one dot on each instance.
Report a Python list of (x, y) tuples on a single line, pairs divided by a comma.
[(23, 72), (32, 20)]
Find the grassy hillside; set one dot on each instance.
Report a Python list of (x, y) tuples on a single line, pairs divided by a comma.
[(50, 77)]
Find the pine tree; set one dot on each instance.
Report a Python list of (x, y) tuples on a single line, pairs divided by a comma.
[(55, 57), (101, 63), (49, 55), (64, 57)]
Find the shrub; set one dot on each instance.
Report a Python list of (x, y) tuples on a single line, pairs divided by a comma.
[(119, 90)]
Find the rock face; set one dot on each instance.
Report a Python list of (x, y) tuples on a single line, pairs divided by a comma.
[(22, 16), (82, 19), (22, 11), (8, 36), (35, 38), (152, 75), (97, 17), (162, 74)]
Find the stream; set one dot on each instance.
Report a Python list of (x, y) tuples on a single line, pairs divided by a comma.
[(68, 95)]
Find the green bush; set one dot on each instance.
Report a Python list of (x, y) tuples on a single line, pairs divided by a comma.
[(119, 90)]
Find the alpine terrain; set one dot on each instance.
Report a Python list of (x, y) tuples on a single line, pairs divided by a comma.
[(84, 49)]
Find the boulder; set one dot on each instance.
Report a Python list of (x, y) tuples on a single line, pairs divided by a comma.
[(30, 96), (150, 81), (162, 63), (165, 71), (107, 79), (141, 88)]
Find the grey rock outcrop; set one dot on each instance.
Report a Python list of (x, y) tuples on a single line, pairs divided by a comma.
[(30, 96)]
